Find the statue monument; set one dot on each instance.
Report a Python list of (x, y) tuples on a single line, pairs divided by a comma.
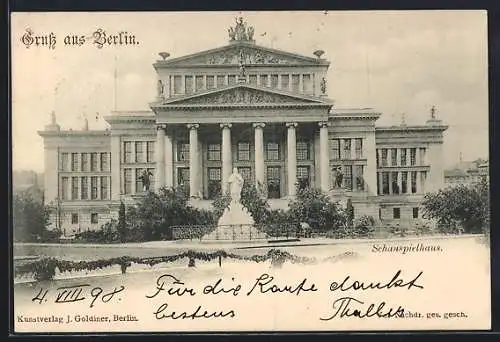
[(236, 223)]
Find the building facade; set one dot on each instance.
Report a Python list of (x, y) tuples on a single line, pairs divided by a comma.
[(467, 173), (262, 110)]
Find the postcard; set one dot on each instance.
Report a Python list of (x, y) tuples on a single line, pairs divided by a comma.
[(250, 171)]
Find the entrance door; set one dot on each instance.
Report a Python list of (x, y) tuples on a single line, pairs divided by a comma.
[(274, 182), (183, 179)]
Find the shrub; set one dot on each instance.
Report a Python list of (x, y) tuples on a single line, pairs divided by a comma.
[(364, 225), (314, 207)]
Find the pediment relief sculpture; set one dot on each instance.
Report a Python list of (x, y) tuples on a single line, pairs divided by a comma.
[(251, 56), (242, 96)]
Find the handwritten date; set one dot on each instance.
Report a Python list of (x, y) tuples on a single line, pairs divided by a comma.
[(77, 293)]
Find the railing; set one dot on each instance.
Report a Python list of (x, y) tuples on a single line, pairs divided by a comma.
[(191, 232)]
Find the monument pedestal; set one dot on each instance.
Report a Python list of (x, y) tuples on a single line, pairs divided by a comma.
[(235, 224)]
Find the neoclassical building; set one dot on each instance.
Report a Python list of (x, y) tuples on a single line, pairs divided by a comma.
[(264, 111)]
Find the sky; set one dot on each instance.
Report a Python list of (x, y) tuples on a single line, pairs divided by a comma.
[(401, 63)]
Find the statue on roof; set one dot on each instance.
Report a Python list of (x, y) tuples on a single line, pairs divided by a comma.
[(240, 29), (232, 33), (250, 32), (433, 112)]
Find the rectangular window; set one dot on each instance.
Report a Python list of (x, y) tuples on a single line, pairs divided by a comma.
[(403, 157), (177, 84), (183, 179), (93, 162), (182, 152), (358, 148), (413, 156), (199, 82), (384, 157), (274, 181), (104, 187), (138, 181), (307, 83), (264, 81), (127, 177), (246, 173), (385, 183), (127, 152), (152, 177), (188, 84), (359, 178), (104, 161), (303, 177), (296, 83), (231, 79), (348, 177), (139, 152), (214, 182), (84, 188), (64, 188), (210, 82), (221, 81), (150, 151), (394, 183), (414, 182), (252, 79), (415, 213), (74, 162), (274, 81), (302, 149), (285, 80), (404, 182), (64, 162), (85, 161), (394, 156), (74, 188), (243, 151), (93, 187), (334, 149), (347, 149), (272, 151), (396, 213), (214, 152), (94, 218), (74, 218)]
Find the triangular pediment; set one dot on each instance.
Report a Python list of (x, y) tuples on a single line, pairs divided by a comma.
[(231, 55), (244, 95)]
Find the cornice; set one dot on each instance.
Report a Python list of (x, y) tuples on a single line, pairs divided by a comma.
[(69, 133)]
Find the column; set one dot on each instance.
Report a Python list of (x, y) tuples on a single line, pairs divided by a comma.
[(324, 157), (204, 82), (279, 81), (379, 157), (169, 162), (398, 156), (98, 184), (292, 157), (389, 156), (227, 163), (115, 159), (408, 182), (301, 83), (160, 156), (417, 156), (290, 84), (408, 159), (417, 183), (259, 154), (193, 160), (400, 181), (183, 84)]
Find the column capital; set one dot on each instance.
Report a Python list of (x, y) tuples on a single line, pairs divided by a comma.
[(193, 126), (323, 124), (226, 125), (291, 124), (161, 127), (258, 125)]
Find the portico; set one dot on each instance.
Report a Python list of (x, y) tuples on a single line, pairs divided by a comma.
[(274, 156)]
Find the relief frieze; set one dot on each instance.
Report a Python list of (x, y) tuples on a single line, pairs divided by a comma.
[(242, 96)]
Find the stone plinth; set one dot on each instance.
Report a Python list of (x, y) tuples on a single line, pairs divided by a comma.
[(235, 224)]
